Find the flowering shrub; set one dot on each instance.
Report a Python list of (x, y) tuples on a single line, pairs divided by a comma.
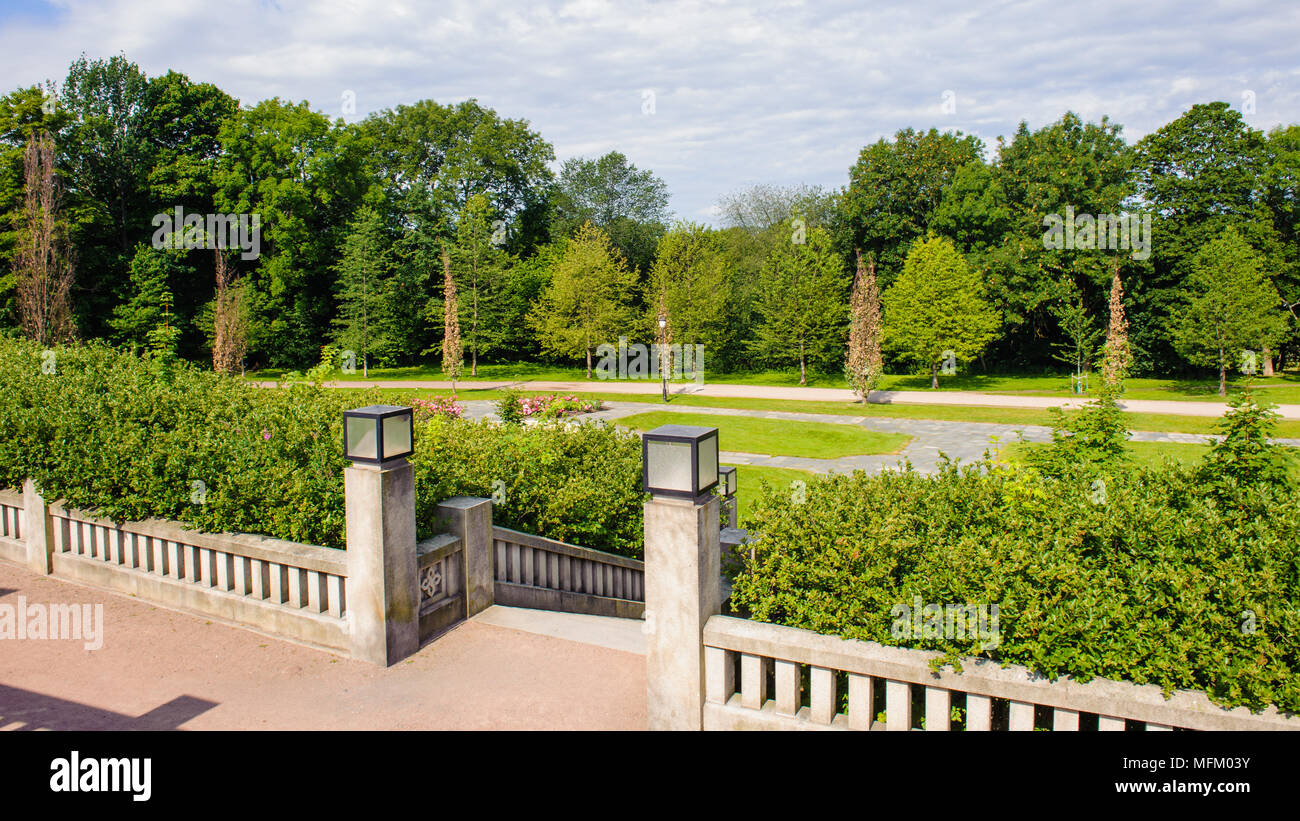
[(552, 406), (426, 409)]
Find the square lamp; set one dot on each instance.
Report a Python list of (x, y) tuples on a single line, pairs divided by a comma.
[(727, 480), (377, 434), (680, 461)]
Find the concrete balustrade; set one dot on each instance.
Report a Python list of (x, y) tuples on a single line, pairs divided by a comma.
[(807, 696)]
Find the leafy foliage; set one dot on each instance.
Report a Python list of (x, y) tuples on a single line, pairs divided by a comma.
[(109, 431), (1156, 585)]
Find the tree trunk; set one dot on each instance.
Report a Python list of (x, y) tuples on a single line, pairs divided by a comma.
[(588, 360), (803, 370), (934, 376), (1268, 362)]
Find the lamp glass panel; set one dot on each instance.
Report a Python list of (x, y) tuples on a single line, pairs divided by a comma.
[(728, 480), (397, 436), (361, 437), (668, 465), (708, 470)]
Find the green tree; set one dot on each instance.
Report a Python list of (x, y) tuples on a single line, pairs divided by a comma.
[(304, 177), (690, 274), (1232, 307), (1244, 456), (896, 187), (588, 300), (430, 159), (802, 304), (480, 265), (1200, 174), (937, 309), (363, 273), (1067, 164), (1081, 332), (152, 273), (630, 205)]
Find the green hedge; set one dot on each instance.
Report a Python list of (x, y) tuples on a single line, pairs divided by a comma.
[(1146, 582), (128, 437), (579, 483)]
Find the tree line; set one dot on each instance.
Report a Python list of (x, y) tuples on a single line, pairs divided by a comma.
[(367, 227)]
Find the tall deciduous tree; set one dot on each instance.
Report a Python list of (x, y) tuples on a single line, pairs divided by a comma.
[(690, 281), (629, 204), (588, 300), (802, 304), (1232, 306), (230, 322), (865, 365), (43, 261), (1200, 174), (453, 352), (938, 308), (896, 187), (1118, 354)]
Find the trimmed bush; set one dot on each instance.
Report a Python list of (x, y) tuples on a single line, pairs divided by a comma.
[(576, 483), (114, 433), (1150, 581)]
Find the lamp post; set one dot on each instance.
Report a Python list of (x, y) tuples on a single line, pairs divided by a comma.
[(682, 569), (727, 486), (383, 596), (663, 343)]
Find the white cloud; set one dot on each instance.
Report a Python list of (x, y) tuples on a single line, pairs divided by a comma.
[(780, 92)]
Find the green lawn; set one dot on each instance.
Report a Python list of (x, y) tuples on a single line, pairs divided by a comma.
[(774, 437), (1144, 453), (1284, 388), (1156, 422), (749, 479)]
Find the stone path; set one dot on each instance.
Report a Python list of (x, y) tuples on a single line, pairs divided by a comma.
[(971, 398), (160, 669), (964, 441)]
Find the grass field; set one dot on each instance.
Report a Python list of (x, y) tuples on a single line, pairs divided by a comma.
[(1156, 422), (1284, 388), (749, 479), (774, 437)]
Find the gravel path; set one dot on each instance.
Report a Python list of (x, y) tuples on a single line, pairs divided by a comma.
[(964, 441)]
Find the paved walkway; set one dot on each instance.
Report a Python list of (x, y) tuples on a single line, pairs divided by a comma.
[(162, 669), (966, 441), (969, 398)]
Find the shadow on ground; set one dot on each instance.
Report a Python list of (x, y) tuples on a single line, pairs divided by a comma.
[(36, 711)]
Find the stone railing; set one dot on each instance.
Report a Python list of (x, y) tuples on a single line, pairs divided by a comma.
[(295, 591), (765, 676), (531, 571), (441, 564), (12, 541)]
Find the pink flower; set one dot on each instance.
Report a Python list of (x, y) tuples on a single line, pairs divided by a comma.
[(266, 435)]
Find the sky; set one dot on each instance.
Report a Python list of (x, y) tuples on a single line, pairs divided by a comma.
[(711, 96)]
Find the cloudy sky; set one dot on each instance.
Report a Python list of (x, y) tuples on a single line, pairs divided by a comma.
[(712, 96)]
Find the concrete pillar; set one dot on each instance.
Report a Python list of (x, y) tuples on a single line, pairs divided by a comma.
[(38, 530), (470, 518), (682, 590), (383, 594)]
